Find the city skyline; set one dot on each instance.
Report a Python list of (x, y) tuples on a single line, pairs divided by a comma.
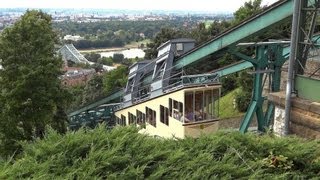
[(199, 5)]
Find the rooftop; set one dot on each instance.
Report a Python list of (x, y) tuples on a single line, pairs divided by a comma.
[(179, 40)]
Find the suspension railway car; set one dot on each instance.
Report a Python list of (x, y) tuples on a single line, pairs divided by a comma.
[(166, 102)]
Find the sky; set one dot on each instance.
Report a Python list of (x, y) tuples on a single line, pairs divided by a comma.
[(185, 5)]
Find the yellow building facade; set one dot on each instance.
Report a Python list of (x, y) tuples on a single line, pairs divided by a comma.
[(188, 111)]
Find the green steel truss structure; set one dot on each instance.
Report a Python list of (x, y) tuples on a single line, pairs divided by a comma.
[(275, 14), (267, 63)]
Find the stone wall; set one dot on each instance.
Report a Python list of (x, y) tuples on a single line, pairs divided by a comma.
[(234, 122), (304, 118)]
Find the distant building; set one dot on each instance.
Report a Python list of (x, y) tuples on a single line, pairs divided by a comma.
[(77, 76), (70, 53), (74, 76), (73, 38)]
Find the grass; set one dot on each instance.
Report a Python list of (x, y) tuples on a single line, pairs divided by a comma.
[(123, 153), (226, 106)]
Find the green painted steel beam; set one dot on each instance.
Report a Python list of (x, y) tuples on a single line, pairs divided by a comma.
[(233, 68), (247, 119), (258, 23), (105, 100), (263, 62), (242, 65)]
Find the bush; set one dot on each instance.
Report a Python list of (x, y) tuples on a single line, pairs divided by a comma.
[(106, 61), (123, 153), (93, 57), (118, 57), (243, 100), (229, 83), (245, 81)]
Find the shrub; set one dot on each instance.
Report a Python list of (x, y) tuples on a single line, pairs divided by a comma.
[(243, 100), (123, 153), (229, 83), (118, 57)]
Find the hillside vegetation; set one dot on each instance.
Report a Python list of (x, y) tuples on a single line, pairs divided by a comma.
[(226, 106), (122, 153)]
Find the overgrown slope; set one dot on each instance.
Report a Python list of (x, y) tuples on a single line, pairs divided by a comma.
[(124, 154), (226, 106)]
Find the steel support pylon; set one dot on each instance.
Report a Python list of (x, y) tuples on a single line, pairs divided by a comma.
[(267, 62)]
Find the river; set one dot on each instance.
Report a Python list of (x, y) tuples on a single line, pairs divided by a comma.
[(128, 53)]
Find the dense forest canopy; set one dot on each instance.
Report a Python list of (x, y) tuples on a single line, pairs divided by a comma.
[(116, 33), (149, 28)]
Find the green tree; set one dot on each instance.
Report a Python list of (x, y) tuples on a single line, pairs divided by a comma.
[(97, 67), (106, 61), (115, 79), (253, 7), (93, 57), (60, 120), (249, 9), (201, 34), (76, 94), (243, 98), (30, 88), (118, 57), (245, 81), (93, 89)]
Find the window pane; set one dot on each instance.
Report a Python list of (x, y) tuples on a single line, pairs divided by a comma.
[(162, 114), (139, 117), (198, 106), (166, 116), (175, 104), (154, 122), (147, 115), (180, 107), (123, 120), (188, 99), (170, 107), (208, 110)]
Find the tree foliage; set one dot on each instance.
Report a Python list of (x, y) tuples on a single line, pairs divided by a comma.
[(115, 79), (93, 89), (30, 88), (106, 61), (93, 57), (99, 86), (249, 9), (243, 98), (254, 7), (118, 57), (117, 33), (200, 33), (203, 33)]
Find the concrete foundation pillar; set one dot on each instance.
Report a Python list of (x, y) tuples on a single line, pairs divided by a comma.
[(279, 121)]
